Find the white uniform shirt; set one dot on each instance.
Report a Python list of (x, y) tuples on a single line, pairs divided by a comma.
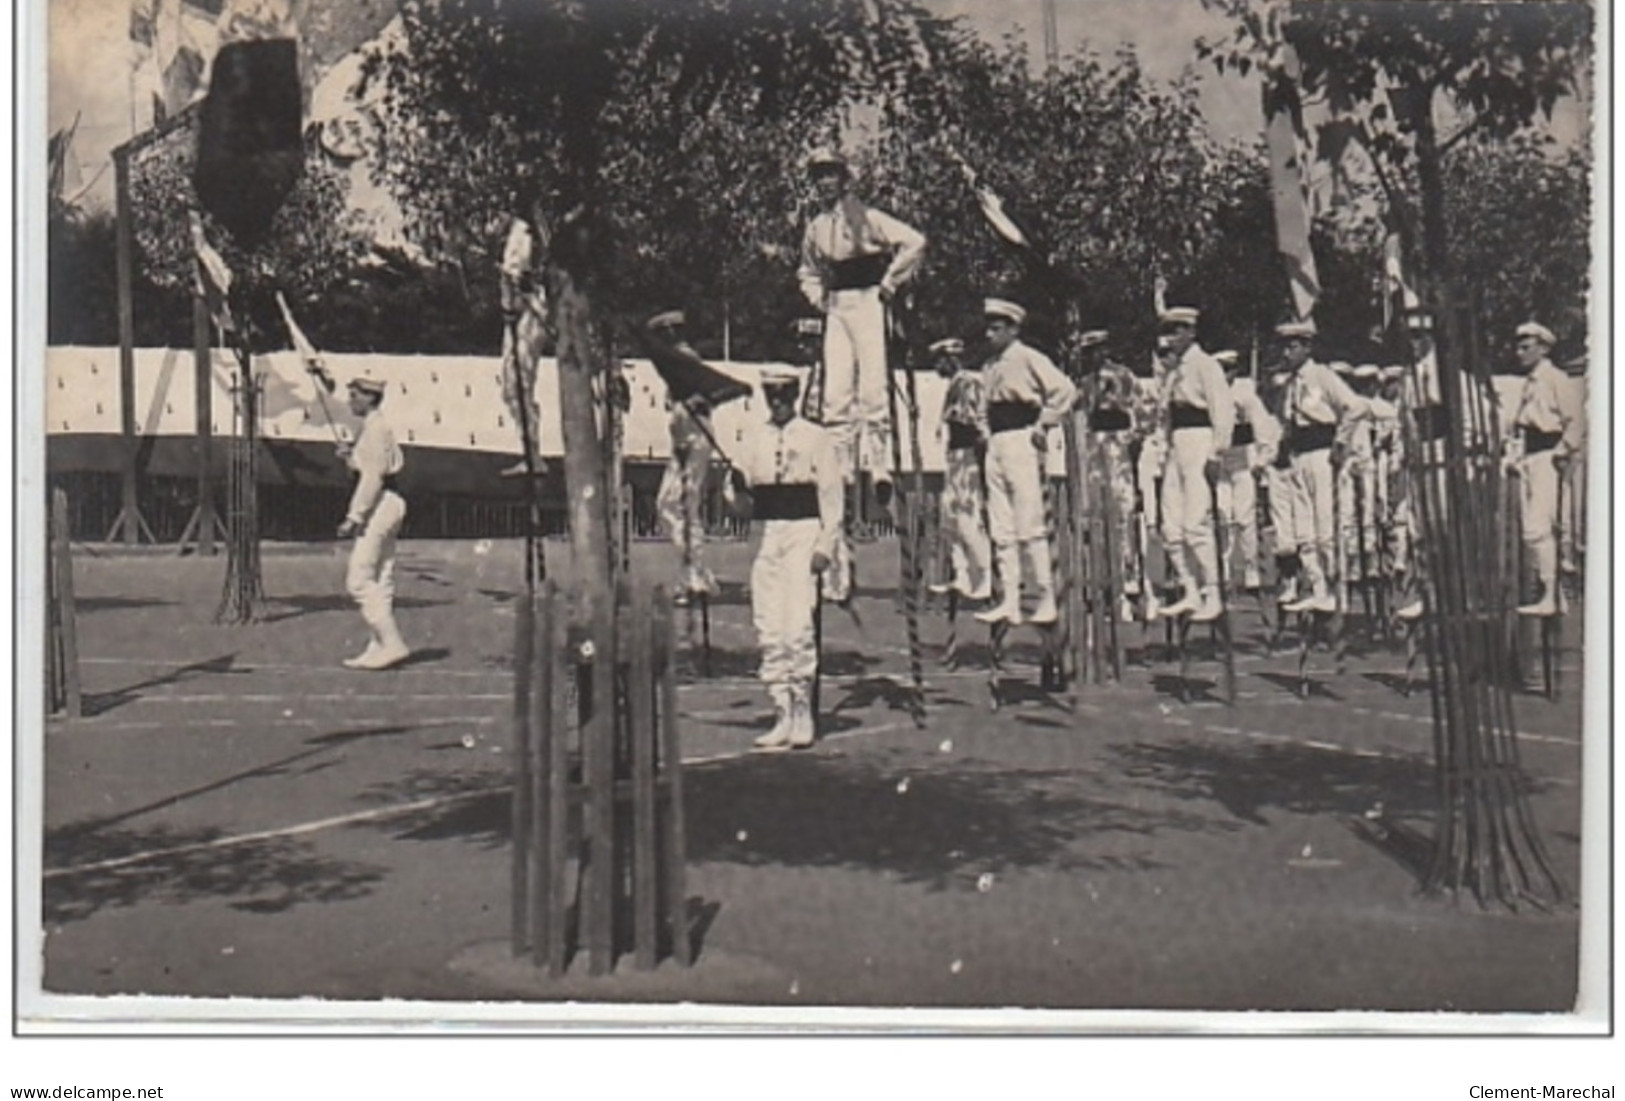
[(1551, 403), (1022, 373), (375, 456), (1197, 379), (1250, 408), (1316, 395), (829, 237), (800, 453)]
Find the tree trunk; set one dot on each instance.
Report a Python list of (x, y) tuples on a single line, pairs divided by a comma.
[(587, 486)]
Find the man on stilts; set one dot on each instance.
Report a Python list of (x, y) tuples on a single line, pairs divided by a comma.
[(1252, 448), (789, 471), (1200, 419), (1027, 396), (1107, 398), (1549, 424), (964, 498), (854, 259), (1317, 401), (692, 392)]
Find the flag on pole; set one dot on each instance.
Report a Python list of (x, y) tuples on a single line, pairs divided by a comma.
[(1284, 113)]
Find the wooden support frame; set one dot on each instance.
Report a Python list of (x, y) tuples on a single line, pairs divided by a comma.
[(607, 819)]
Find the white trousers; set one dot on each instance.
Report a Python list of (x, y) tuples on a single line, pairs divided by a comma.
[(1313, 512), (370, 578), (678, 501), (1015, 488), (783, 591), (1283, 500), (855, 381), (963, 521), (1238, 509), (1187, 504), (1540, 482)]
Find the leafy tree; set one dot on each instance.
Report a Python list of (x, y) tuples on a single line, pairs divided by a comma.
[(1116, 178), (1387, 76), (557, 106)]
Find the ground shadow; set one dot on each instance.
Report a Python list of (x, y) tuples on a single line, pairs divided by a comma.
[(426, 656), (292, 607), (262, 876), (824, 809), (1249, 781), (942, 828), (1293, 685), (100, 703), (85, 605), (1398, 683)]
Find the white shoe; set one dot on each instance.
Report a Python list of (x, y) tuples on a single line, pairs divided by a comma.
[(1314, 602), (803, 730), (1288, 593), (1210, 607), (1125, 610), (1007, 612), (385, 657), (940, 588), (360, 660), (779, 736), (1046, 612), (1410, 612), (985, 593), (1185, 605), (1545, 606), (1152, 609), (1251, 581)]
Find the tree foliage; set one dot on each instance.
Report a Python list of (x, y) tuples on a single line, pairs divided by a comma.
[(1389, 76)]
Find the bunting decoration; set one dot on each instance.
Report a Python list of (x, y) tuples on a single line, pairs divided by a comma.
[(1284, 113)]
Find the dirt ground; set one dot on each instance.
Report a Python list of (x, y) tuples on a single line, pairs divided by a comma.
[(238, 814)]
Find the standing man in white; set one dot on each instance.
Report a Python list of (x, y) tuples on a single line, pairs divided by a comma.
[(788, 468), (1027, 396), (377, 511), (853, 261)]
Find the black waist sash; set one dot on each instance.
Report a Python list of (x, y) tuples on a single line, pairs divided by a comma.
[(787, 501), (1184, 415), (1313, 437), (1010, 416), (392, 483), (1432, 422), (1109, 420), (858, 271), (961, 436), (1535, 441), (1243, 434)]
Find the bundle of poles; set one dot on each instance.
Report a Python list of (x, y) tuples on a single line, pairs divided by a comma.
[(1486, 841)]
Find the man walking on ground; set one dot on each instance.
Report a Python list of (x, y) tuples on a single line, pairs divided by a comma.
[(377, 511)]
